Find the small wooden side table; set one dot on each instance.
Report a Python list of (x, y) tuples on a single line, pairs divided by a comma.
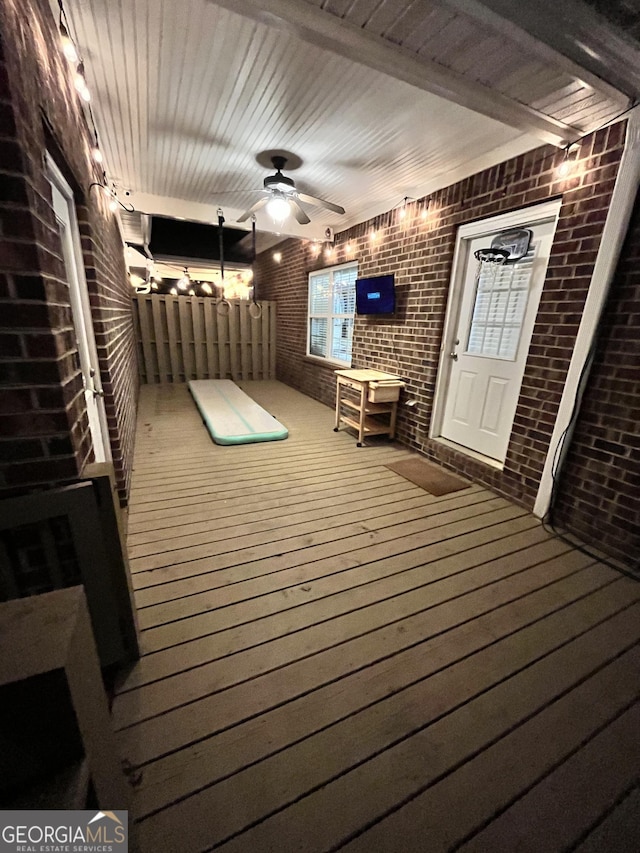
[(377, 393)]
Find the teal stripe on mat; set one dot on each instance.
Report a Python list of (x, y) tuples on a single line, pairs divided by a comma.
[(231, 416)]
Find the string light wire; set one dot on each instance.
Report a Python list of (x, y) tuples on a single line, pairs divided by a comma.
[(74, 57)]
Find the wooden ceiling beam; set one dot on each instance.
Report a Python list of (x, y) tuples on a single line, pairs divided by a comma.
[(327, 31), (577, 35)]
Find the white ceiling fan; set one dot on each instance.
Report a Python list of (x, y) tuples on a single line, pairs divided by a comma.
[(280, 197)]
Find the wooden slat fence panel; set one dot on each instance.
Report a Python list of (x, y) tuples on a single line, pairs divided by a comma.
[(264, 339), (234, 343), (173, 331), (213, 357), (222, 328), (245, 342), (272, 339), (160, 337), (188, 337), (199, 342)]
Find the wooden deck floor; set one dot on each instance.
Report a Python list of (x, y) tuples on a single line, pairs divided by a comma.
[(335, 659)]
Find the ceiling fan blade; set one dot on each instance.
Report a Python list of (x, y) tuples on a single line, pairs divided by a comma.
[(254, 207), (298, 212), (320, 202)]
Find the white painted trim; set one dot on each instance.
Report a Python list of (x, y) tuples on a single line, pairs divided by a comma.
[(513, 22), (613, 235), (320, 359), (531, 215), (466, 451), (577, 31), (178, 208), (332, 33), (99, 429)]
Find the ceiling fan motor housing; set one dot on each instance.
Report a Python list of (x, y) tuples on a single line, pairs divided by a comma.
[(279, 181)]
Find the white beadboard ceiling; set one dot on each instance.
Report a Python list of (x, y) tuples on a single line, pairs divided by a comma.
[(380, 99)]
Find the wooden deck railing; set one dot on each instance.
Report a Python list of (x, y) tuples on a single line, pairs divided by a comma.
[(189, 337), (69, 536)]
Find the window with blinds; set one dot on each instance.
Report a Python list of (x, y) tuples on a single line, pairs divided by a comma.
[(500, 305), (332, 302)]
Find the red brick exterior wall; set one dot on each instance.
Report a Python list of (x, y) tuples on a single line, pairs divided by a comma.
[(44, 433), (599, 492), (419, 250)]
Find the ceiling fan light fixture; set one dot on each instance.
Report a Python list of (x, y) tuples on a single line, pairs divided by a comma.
[(278, 208), (281, 199)]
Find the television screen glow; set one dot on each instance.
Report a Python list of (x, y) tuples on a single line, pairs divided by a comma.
[(376, 295)]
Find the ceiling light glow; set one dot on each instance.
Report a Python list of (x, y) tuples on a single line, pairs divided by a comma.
[(278, 209)]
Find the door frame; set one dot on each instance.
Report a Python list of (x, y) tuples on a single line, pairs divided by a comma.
[(81, 306), (519, 218)]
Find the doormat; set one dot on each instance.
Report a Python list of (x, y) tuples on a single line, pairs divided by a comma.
[(432, 478)]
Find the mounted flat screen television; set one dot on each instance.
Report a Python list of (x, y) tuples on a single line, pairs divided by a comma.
[(376, 295)]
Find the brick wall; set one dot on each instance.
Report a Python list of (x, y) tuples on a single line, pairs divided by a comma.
[(599, 492), (419, 250), (44, 432)]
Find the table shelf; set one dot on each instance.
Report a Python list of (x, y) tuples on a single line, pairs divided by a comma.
[(369, 426), (374, 409), (370, 408)]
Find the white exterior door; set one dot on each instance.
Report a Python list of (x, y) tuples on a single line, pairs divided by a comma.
[(65, 212), (498, 307)]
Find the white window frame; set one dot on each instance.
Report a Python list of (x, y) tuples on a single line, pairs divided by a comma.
[(329, 315)]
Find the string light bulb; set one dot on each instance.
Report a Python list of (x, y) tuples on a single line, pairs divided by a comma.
[(206, 287), (80, 83), (185, 281), (68, 47), (568, 164)]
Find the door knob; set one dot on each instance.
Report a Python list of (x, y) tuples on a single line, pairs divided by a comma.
[(453, 355), (97, 392)]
